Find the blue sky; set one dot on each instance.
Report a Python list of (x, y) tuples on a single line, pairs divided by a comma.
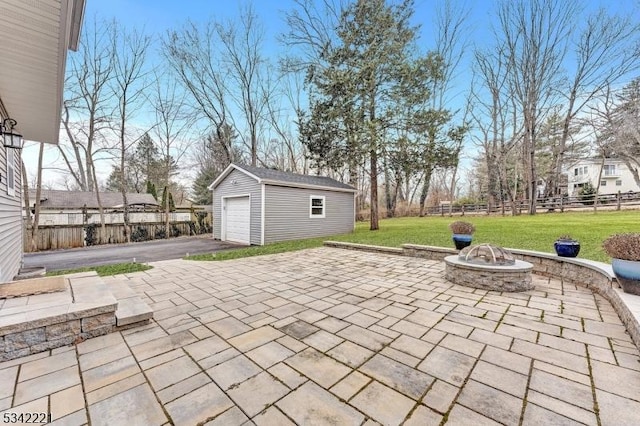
[(158, 16)]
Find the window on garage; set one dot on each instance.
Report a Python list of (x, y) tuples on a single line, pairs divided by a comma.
[(316, 206)]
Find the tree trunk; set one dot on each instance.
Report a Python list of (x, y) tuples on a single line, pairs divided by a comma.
[(596, 196), (452, 190), (27, 206), (529, 168), (167, 210), (374, 191), (125, 203), (633, 170), (33, 224), (390, 204), (425, 189), (103, 226)]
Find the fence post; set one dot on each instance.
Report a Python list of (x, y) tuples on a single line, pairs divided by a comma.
[(618, 200), (462, 210), (561, 203)]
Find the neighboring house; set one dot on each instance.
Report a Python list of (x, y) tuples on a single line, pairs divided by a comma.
[(259, 206), (35, 38), (80, 207), (76, 201), (615, 176)]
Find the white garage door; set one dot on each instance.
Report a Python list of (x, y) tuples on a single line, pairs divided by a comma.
[(237, 220)]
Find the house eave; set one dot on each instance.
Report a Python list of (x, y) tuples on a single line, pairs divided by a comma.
[(232, 167), (225, 173), (36, 38), (307, 186)]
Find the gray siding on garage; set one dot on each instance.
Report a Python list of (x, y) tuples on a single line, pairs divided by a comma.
[(245, 186), (287, 214), (10, 220)]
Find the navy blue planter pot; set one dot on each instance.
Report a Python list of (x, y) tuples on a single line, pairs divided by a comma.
[(567, 248), (628, 274), (462, 240)]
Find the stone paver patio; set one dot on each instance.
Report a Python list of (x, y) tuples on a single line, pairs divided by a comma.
[(338, 337)]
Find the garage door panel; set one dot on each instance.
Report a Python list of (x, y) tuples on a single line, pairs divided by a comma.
[(237, 223)]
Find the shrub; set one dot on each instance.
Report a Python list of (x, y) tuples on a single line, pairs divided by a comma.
[(175, 231), (91, 234), (565, 237), (161, 234), (587, 194), (465, 201), (460, 227), (203, 226), (140, 234), (623, 246)]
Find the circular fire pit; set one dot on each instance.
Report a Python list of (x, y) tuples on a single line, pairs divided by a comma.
[(488, 267)]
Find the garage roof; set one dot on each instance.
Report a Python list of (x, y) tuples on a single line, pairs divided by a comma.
[(277, 177), (35, 38)]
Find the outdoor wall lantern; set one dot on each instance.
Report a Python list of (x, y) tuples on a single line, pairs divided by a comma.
[(10, 138)]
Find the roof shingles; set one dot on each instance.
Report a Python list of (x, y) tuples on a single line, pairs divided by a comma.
[(293, 178), (54, 199)]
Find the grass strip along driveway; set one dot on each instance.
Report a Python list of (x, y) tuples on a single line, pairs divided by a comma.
[(104, 270), (524, 232)]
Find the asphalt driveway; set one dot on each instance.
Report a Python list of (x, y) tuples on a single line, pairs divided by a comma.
[(149, 251)]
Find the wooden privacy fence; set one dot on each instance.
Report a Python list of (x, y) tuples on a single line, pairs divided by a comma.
[(52, 237)]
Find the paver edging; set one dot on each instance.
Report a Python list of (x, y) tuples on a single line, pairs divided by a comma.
[(596, 276), (364, 247)]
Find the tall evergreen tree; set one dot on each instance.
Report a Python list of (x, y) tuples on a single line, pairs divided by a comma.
[(353, 102), (151, 189)]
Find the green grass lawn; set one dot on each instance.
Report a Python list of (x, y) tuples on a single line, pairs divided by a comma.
[(260, 250), (524, 232), (119, 268)]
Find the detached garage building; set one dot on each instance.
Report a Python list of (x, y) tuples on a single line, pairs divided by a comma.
[(252, 205)]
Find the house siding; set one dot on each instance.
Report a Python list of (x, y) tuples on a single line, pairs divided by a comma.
[(245, 185), (287, 214), (10, 220), (622, 174)]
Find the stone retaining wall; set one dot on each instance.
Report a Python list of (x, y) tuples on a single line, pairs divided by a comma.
[(28, 338)]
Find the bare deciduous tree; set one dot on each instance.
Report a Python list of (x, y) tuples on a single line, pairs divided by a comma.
[(607, 49), (86, 108), (534, 34), (192, 54), (246, 67), (496, 122), (129, 84), (172, 125)]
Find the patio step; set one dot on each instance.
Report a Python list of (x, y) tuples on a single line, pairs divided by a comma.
[(85, 308), (132, 310)]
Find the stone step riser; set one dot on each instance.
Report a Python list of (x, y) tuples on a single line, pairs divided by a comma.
[(90, 311)]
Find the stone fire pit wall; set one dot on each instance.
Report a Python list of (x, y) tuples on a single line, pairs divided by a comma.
[(489, 277)]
